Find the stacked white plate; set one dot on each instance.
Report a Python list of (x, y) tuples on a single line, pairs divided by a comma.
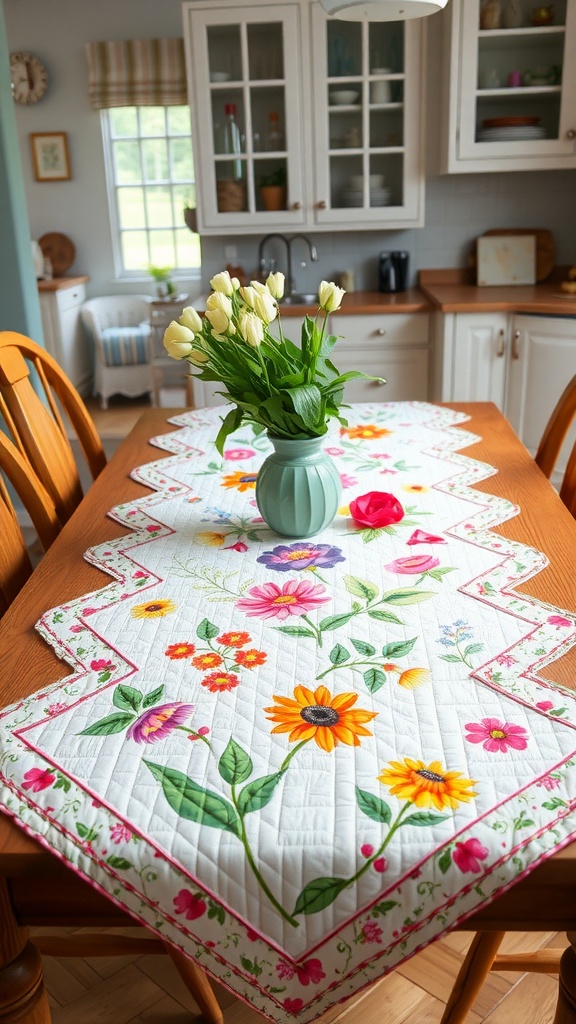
[(514, 133), (353, 195)]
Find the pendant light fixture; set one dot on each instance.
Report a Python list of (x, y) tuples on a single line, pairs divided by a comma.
[(381, 10)]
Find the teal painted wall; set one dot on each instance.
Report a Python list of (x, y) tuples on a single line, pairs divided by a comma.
[(19, 303)]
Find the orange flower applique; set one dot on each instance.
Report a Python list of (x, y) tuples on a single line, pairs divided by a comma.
[(242, 481), (208, 660), (365, 432), (415, 488), (250, 658), (177, 651), (233, 639), (211, 538), (315, 714), (217, 682)]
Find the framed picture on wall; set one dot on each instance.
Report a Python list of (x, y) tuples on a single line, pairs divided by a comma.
[(50, 156)]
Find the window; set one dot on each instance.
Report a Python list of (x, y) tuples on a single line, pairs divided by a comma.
[(150, 173)]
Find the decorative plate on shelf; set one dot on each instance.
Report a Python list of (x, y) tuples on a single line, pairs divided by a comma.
[(60, 250)]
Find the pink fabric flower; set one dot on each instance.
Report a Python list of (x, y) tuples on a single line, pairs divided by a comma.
[(55, 709), (235, 454), (191, 906), (238, 546), (284, 970), (413, 565), (293, 598), (347, 481), (120, 834), (549, 782), (334, 451), (545, 705), (421, 537), (37, 779), (376, 509), (380, 865), (311, 971), (293, 1005), (468, 855), (101, 665), (371, 932), (157, 722), (367, 850), (558, 620), (497, 736)]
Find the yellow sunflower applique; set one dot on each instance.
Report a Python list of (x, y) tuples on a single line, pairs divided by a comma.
[(366, 432), (427, 785), (153, 609), (241, 481)]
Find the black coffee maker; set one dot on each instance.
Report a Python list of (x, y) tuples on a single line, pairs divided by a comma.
[(393, 271)]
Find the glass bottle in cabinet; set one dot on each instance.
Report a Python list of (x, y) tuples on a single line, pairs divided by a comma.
[(240, 62), (511, 105), (367, 94)]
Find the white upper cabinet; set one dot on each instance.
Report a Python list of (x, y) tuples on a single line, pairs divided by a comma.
[(299, 120), (510, 89)]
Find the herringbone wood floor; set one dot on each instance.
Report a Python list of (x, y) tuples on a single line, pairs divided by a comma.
[(148, 990)]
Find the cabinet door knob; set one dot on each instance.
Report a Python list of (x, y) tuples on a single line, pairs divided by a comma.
[(296, 205), (501, 344), (571, 134), (321, 204), (381, 331), (515, 349)]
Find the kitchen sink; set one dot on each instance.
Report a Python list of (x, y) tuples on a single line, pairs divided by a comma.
[(301, 299)]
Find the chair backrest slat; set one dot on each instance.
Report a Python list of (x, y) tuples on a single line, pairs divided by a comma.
[(552, 440), (38, 428)]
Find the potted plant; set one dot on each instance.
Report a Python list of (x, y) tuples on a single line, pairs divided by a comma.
[(273, 189), (165, 287)]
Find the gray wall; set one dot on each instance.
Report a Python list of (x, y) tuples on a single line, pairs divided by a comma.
[(458, 207)]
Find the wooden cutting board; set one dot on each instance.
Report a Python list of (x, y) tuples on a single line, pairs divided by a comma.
[(545, 247)]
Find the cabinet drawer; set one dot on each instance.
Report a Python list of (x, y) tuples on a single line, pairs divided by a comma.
[(381, 329), (405, 371), (68, 298)]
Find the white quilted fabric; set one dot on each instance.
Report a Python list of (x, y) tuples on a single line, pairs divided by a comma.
[(301, 761)]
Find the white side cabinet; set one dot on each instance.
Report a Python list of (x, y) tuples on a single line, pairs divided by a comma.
[(393, 346), (509, 90), (60, 304), (521, 362)]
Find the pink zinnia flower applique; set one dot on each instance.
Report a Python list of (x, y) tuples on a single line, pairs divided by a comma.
[(120, 834), (311, 971), (293, 1005), (235, 454), (497, 736), (37, 779), (284, 970), (157, 722), (371, 932), (468, 855), (271, 601)]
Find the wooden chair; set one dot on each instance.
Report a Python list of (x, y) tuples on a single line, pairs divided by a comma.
[(38, 426), (482, 956), (15, 565), (552, 440)]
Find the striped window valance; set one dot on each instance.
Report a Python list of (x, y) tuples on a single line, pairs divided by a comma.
[(136, 72)]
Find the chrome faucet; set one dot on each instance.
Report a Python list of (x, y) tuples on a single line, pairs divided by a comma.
[(288, 242)]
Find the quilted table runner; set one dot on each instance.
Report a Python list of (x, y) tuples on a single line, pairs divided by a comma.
[(301, 761)]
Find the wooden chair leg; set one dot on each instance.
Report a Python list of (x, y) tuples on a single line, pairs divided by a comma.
[(22, 994), (471, 976), (566, 1007), (198, 985)]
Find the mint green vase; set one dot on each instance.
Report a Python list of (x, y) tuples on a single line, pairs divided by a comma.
[(298, 487)]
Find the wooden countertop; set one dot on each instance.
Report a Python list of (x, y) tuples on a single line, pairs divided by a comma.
[(56, 283), (359, 303), (452, 291)]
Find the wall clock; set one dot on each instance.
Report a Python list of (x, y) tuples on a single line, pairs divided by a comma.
[(29, 77)]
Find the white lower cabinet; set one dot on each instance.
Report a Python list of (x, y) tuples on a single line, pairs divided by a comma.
[(393, 346), (64, 336), (521, 362)]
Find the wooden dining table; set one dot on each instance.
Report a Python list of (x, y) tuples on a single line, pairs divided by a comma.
[(37, 889)]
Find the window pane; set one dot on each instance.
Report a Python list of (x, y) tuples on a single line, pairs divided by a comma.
[(152, 121), (155, 160), (131, 209), (135, 250), (159, 207), (123, 121), (127, 163), (181, 159), (179, 121), (182, 195), (162, 252), (188, 249)]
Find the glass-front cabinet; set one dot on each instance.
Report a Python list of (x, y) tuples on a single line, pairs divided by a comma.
[(513, 83), (300, 120), (368, 110)]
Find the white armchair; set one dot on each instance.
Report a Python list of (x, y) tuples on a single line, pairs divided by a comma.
[(120, 328)]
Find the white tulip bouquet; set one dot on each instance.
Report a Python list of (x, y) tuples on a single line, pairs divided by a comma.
[(274, 385)]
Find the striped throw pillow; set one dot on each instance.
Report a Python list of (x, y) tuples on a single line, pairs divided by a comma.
[(126, 346)]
